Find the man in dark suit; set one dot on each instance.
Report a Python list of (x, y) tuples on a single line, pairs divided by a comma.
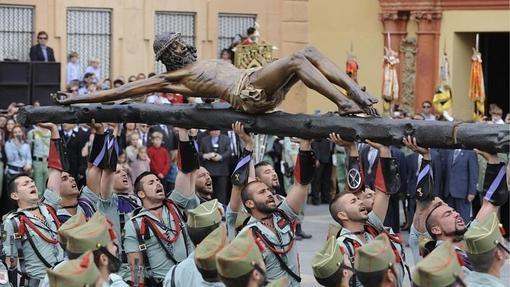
[(461, 175), (41, 52), (74, 139), (413, 162), (321, 185), (215, 155), (369, 158)]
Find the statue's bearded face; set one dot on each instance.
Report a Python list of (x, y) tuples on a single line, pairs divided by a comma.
[(178, 54)]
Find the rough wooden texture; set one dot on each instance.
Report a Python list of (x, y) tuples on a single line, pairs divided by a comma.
[(435, 134)]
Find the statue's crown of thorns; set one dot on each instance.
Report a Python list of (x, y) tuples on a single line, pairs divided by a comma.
[(162, 42)]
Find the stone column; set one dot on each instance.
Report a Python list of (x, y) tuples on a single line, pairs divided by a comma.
[(395, 23), (427, 56)]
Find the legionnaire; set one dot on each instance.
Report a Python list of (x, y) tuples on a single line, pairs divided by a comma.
[(275, 225), (375, 263), (202, 220), (201, 269), (359, 226), (441, 268), (156, 236), (76, 273), (442, 222), (240, 263), (98, 236), (485, 249), (330, 267), (31, 243)]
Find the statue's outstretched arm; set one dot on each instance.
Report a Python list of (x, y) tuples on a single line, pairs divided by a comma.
[(158, 83)]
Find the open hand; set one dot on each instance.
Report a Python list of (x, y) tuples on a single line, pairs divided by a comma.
[(490, 158), (384, 151), (238, 128), (49, 126), (410, 142)]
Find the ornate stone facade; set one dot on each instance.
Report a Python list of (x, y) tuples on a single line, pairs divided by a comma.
[(408, 52)]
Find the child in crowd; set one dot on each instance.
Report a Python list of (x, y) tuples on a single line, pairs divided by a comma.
[(73, 69), (159, 156), (122, 162), (132, 148), (93, 68), (141, 164)]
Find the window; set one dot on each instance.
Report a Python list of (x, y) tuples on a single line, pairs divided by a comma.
[(181, 22), (233, 26), (16, 32), (89, 33)]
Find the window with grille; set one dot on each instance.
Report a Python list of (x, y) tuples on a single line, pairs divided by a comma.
[(89, 33), (231, 27), (181, 22), (16, 32)]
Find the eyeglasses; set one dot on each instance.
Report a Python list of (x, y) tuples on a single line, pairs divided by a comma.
[(43, 38)]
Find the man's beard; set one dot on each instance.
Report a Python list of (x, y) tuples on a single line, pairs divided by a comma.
[(173, 61), (458, 234), (264, 207)]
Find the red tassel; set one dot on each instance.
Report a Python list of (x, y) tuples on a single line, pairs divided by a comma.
[(260, 244), (297, 169), (85, 261)]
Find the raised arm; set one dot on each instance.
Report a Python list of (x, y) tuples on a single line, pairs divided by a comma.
[(108, 171), (159, 83), (94, 173), (303, 174), (495, 189), (244, 171), (55, 158), (387, 180), (188, 162)]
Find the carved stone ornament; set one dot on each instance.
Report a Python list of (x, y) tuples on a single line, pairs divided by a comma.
[(408, 51)]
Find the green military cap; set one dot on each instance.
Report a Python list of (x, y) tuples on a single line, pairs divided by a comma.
[(333, 229), (376, 255), (240, 219), (238, 258), (280, 282), (204, 215), (73, 222), (440, 268), (97, 232), (484, 236), (205, 253), (327, 261), (75, 273)]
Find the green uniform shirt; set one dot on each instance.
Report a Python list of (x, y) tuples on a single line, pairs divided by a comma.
[(52, 253), (273, 267), (186, 274), (478, 279), (373, 220), (159, 262)]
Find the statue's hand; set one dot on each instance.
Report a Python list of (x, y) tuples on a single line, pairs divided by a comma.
[(61, 97)]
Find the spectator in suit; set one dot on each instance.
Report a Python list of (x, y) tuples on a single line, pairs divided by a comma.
[(215, 155), (143, 131), (75, 138), (321, 185), (460, 168), (41, 52), (369, 157), (413, 163), (73, 69)]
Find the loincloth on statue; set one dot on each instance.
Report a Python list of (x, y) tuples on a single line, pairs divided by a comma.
[(245, 97)]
